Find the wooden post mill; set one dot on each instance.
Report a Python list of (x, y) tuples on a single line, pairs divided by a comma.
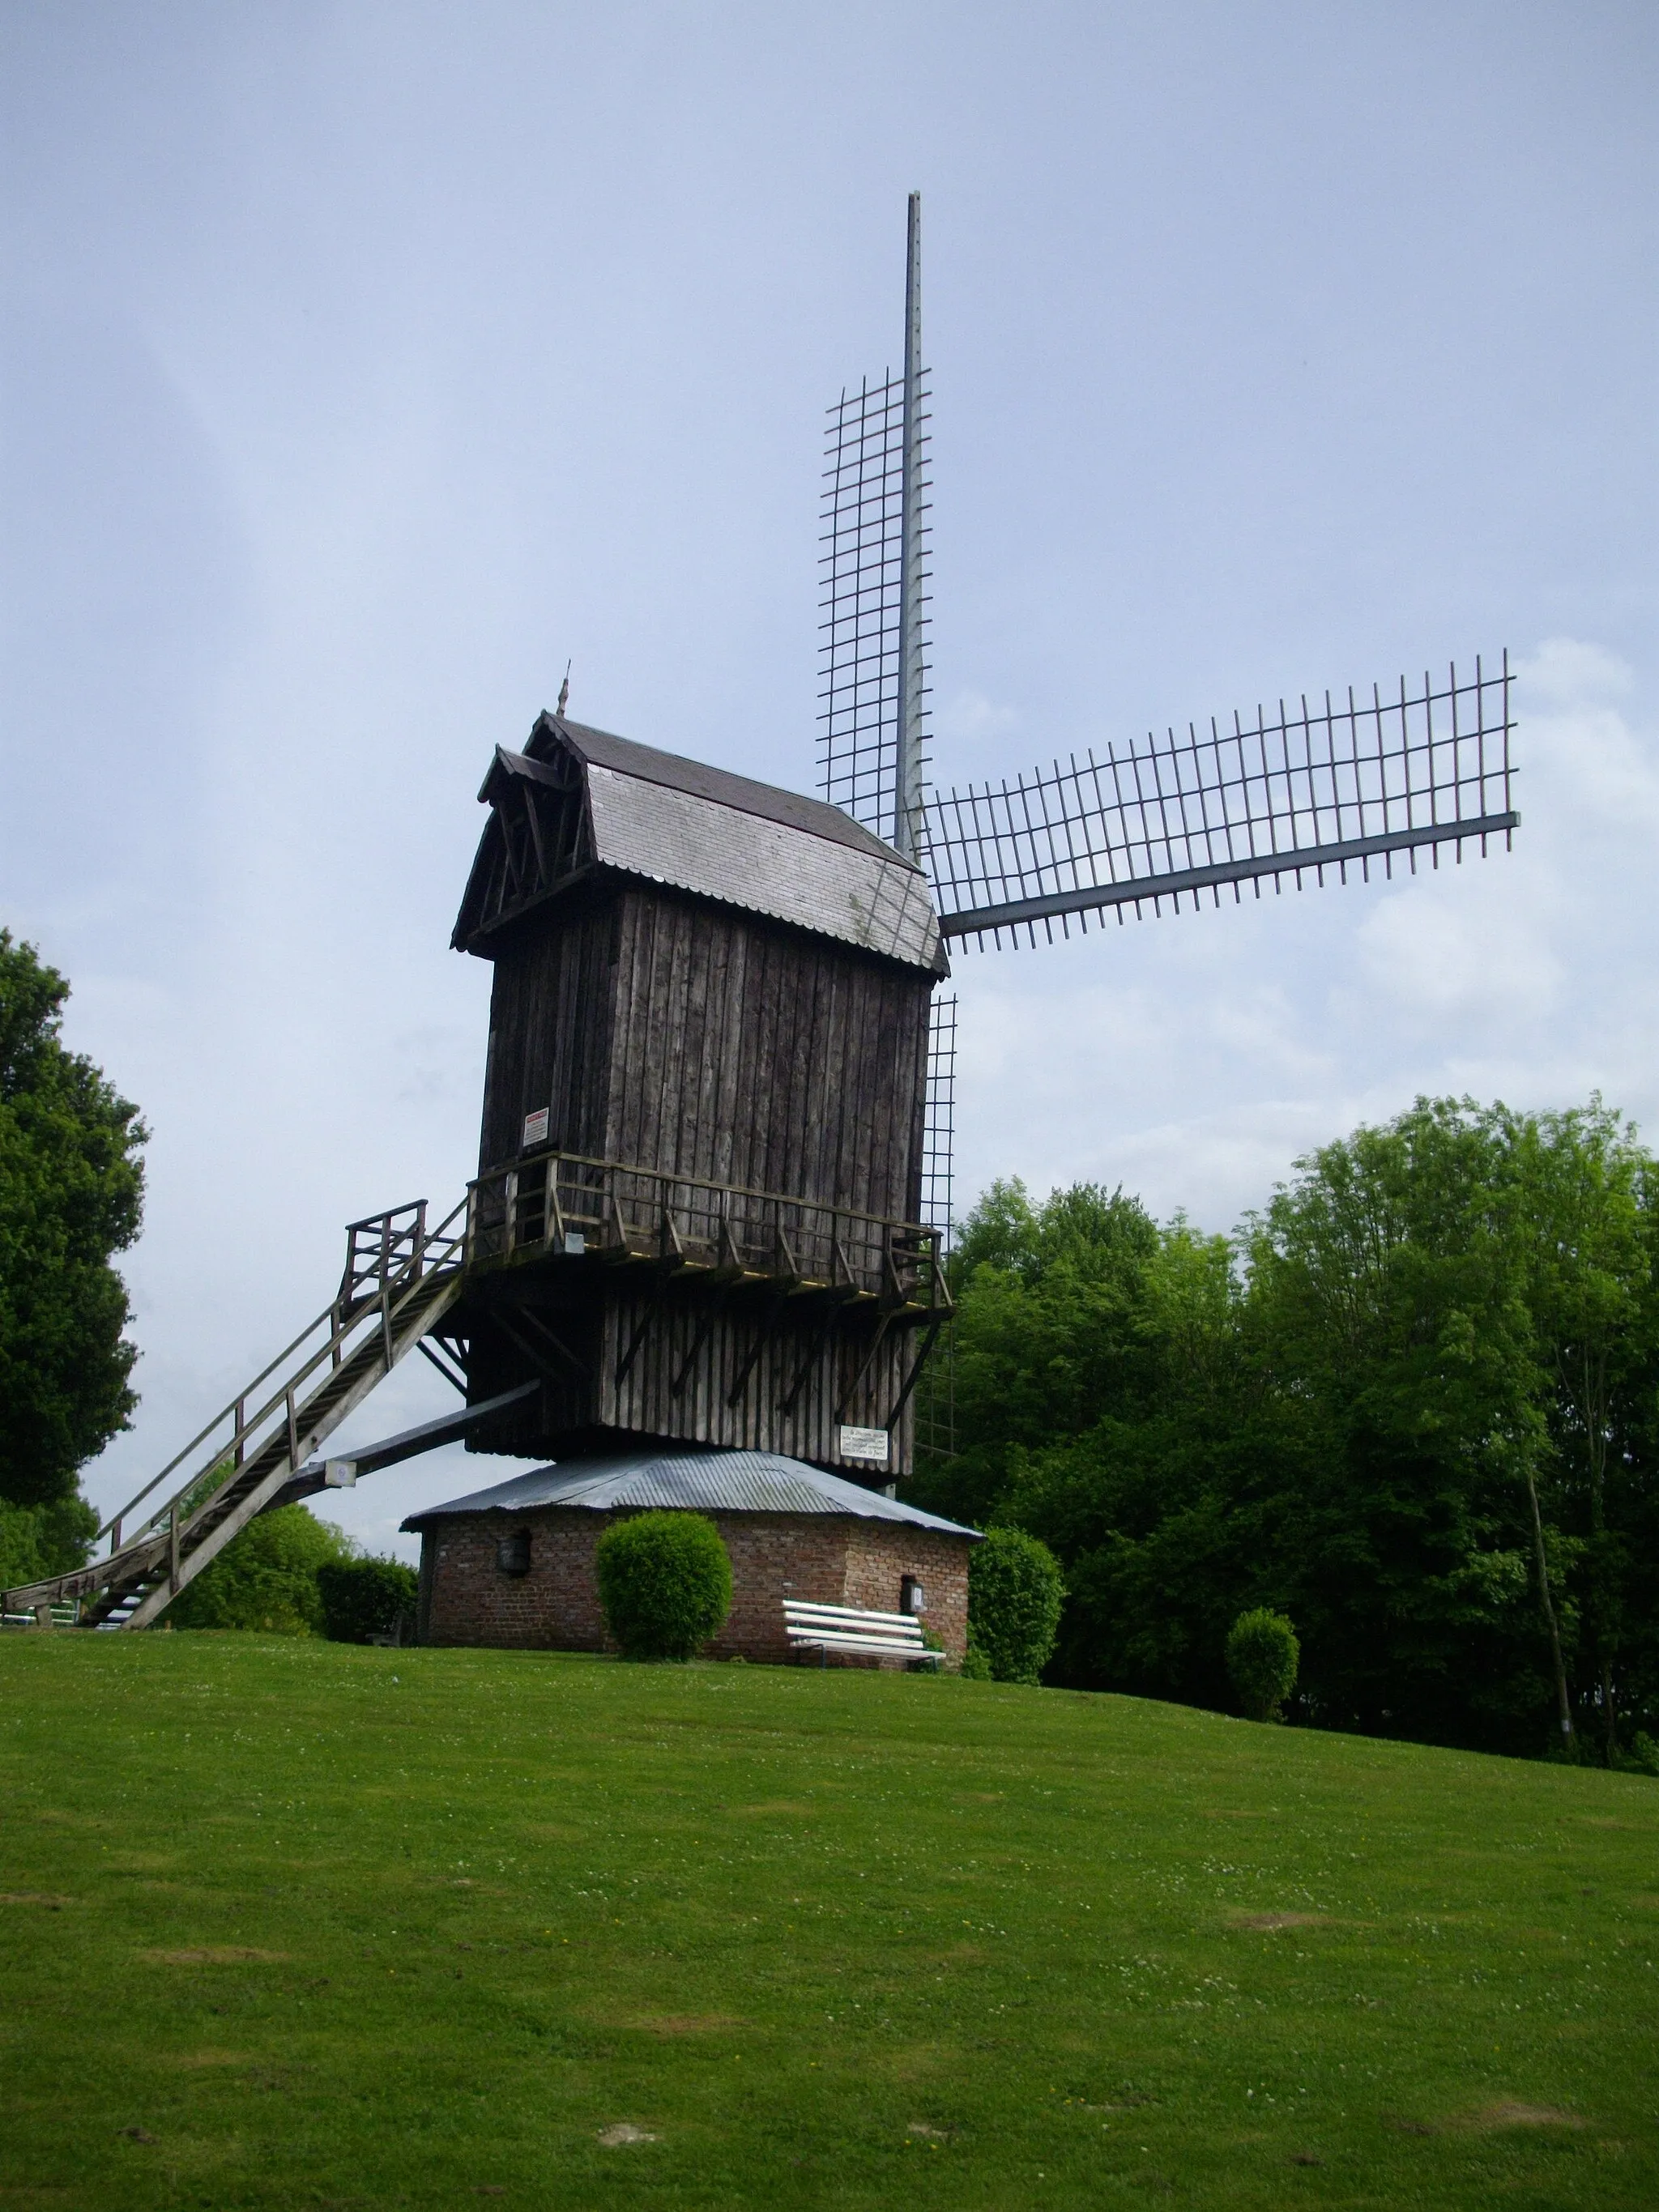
[(700, 1166)]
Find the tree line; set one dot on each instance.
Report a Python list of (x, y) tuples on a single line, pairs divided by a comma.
[(1412, 1404)]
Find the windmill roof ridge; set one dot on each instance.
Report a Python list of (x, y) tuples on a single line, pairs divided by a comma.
[(665, 819), (678, 772), (689, 1481)]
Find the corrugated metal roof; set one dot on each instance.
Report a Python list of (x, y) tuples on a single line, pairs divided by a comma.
[(702, 1482), (772, 868), (601, 749)]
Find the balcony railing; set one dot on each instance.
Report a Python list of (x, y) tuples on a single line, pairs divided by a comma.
[(561, 1205)]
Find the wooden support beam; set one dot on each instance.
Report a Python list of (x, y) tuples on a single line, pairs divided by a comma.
[(857, 1382), (700, 1336), (638, 1337), (552, 1338), (819, 1338), (457, 1381), (915, 1376)]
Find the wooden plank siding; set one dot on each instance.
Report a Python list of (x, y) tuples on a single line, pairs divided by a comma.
[(675, 1034), (669, 1032), (645, 1402)]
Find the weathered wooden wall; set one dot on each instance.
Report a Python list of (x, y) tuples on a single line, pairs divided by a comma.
[(550, 1016), (646, 1401), (680, 1381), (669, 1033)]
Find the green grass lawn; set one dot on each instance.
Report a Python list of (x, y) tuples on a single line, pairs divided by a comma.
[(291, 1924)]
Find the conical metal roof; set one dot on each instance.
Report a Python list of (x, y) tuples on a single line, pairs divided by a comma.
[(692, 1481)]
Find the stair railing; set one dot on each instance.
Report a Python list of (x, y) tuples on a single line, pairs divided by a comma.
[(406, 1253)]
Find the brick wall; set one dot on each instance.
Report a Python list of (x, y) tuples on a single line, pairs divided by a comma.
[(880, 1553), (823, 1558)]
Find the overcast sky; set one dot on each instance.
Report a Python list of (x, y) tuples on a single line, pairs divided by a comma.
[(359, 365)]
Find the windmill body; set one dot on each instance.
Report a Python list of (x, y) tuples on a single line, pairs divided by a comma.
[(696, 1215)]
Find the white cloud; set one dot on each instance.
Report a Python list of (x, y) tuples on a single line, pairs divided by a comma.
[(970, 718)]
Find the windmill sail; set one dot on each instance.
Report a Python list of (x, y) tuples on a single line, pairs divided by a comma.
[(1331, 786), (872, 714)]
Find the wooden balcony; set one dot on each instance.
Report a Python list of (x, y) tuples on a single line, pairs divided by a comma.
[(564, 1210)]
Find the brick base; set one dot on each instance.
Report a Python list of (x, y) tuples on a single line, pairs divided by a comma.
[(466, 1597)]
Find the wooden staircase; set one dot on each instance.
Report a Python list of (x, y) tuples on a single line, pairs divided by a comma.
[(400, 1279)]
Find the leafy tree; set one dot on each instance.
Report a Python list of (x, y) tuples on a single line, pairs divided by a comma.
[(1387, 1295), (1579, 1180), (1045, 1336), (665, 1582), (267, 1577), (71, 1188), (38, 1541)]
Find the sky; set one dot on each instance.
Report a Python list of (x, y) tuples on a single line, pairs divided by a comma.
[(362, 365)]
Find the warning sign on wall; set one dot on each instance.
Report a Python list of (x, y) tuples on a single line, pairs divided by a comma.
[(535, 1128)]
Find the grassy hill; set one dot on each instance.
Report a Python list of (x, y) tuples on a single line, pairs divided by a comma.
[(288, 1923)]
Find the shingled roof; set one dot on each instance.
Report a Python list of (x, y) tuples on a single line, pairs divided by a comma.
[(693, 1482), (578, 800)]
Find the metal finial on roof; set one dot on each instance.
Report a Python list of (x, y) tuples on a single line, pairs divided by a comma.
[(564, 692)]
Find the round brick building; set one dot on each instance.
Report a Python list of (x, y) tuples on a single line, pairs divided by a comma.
[(512, 1565)]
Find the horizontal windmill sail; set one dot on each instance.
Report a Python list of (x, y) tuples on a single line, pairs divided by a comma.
[(1327, 786)]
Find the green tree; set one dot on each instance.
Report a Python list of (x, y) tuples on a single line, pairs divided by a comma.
[(72, 1189), (38, 1541), (1387, 1293), (1579, 1179), (1046, 1340), (267, 1577), (1415, 1404)]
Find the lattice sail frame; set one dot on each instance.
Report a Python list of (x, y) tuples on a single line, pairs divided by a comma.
[(936, 1395), (1329, 786), (861, 579)]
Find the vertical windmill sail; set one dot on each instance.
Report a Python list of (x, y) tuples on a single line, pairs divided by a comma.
[(872, 717), (873, 712)]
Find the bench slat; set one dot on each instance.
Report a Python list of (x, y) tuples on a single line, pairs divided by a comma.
[(801, 1611), (862, 1644), (817, 1628)]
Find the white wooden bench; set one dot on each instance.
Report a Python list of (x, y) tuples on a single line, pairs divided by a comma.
[(829, 1628)]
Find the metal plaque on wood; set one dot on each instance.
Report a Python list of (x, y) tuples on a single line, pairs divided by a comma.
[(535, 1128), (870, 1445)]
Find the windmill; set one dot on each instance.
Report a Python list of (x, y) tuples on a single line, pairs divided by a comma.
[(713, 1179)]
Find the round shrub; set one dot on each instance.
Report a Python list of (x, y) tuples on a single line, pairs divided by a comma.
[(1014, 1591), (1262, 1657), (664, 1582), (363, 1598)]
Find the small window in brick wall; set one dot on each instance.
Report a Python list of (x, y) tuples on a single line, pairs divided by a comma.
[(913, 1599), (513, 1552)]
